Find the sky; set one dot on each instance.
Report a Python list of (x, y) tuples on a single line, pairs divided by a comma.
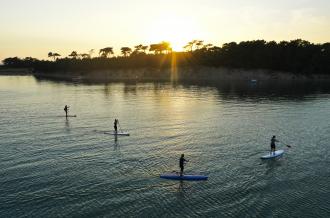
[(32, 28)]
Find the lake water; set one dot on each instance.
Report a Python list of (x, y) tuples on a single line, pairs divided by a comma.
[(51, 166)]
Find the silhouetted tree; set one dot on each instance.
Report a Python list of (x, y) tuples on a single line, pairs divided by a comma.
[(105, 52), (199, 44), (138, 48), (15, 62), (155, 48), (160, 47), (53, 55), (208, 46), (73, 54), (166, 46), (189, 46), (126, 51), (50, 55), (144, 48)]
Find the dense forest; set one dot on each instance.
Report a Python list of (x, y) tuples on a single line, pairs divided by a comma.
[(296, 56)]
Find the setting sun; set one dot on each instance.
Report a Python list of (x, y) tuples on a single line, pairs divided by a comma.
[(174, 29)]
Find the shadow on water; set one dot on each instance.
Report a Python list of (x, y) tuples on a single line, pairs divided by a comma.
[(115, 143), (183, 189), (272, 165), (67, 125)]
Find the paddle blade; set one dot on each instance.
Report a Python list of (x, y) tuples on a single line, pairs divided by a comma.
[(289, 146)]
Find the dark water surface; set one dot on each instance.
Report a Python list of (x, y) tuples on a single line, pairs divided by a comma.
[(53, 167)]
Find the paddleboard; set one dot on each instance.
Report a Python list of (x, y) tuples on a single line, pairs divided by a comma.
[(272, 155), (117, 133), (68, 116), (176, 176)]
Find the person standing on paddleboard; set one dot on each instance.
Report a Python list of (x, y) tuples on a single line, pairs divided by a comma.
[(181, 163), (272, 144), (115, 125), (66, 109)]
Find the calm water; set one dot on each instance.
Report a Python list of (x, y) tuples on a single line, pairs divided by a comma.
[(53, 167)]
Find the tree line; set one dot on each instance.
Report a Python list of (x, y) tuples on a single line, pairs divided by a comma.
[(108, 52), (296, 56)]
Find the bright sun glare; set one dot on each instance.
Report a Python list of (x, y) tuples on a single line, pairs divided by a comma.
[(174, 29)]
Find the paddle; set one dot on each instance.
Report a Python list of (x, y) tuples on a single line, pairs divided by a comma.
[(287, 145)]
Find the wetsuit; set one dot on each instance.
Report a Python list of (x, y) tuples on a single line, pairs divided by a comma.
[(272, 144), (66, 110), (115, 125), (182, 160)]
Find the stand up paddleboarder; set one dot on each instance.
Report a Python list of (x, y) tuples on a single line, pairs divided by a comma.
[(66, 109), (181, 163), (273, 145), (115, 125)]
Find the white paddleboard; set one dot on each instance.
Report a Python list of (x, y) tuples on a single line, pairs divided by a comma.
[(273, 154), (117, 133)]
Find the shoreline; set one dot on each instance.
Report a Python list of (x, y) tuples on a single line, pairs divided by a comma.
[(182, 74), (15, 71)]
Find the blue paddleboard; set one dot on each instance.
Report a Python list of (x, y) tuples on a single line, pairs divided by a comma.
[(176, 176)]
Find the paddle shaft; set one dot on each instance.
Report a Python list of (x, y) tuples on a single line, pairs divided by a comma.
[(287, 145)]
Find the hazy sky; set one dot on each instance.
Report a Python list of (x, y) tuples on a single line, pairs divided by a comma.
[(35, 27)]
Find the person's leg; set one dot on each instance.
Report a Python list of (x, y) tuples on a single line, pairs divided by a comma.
[(181, 171)]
